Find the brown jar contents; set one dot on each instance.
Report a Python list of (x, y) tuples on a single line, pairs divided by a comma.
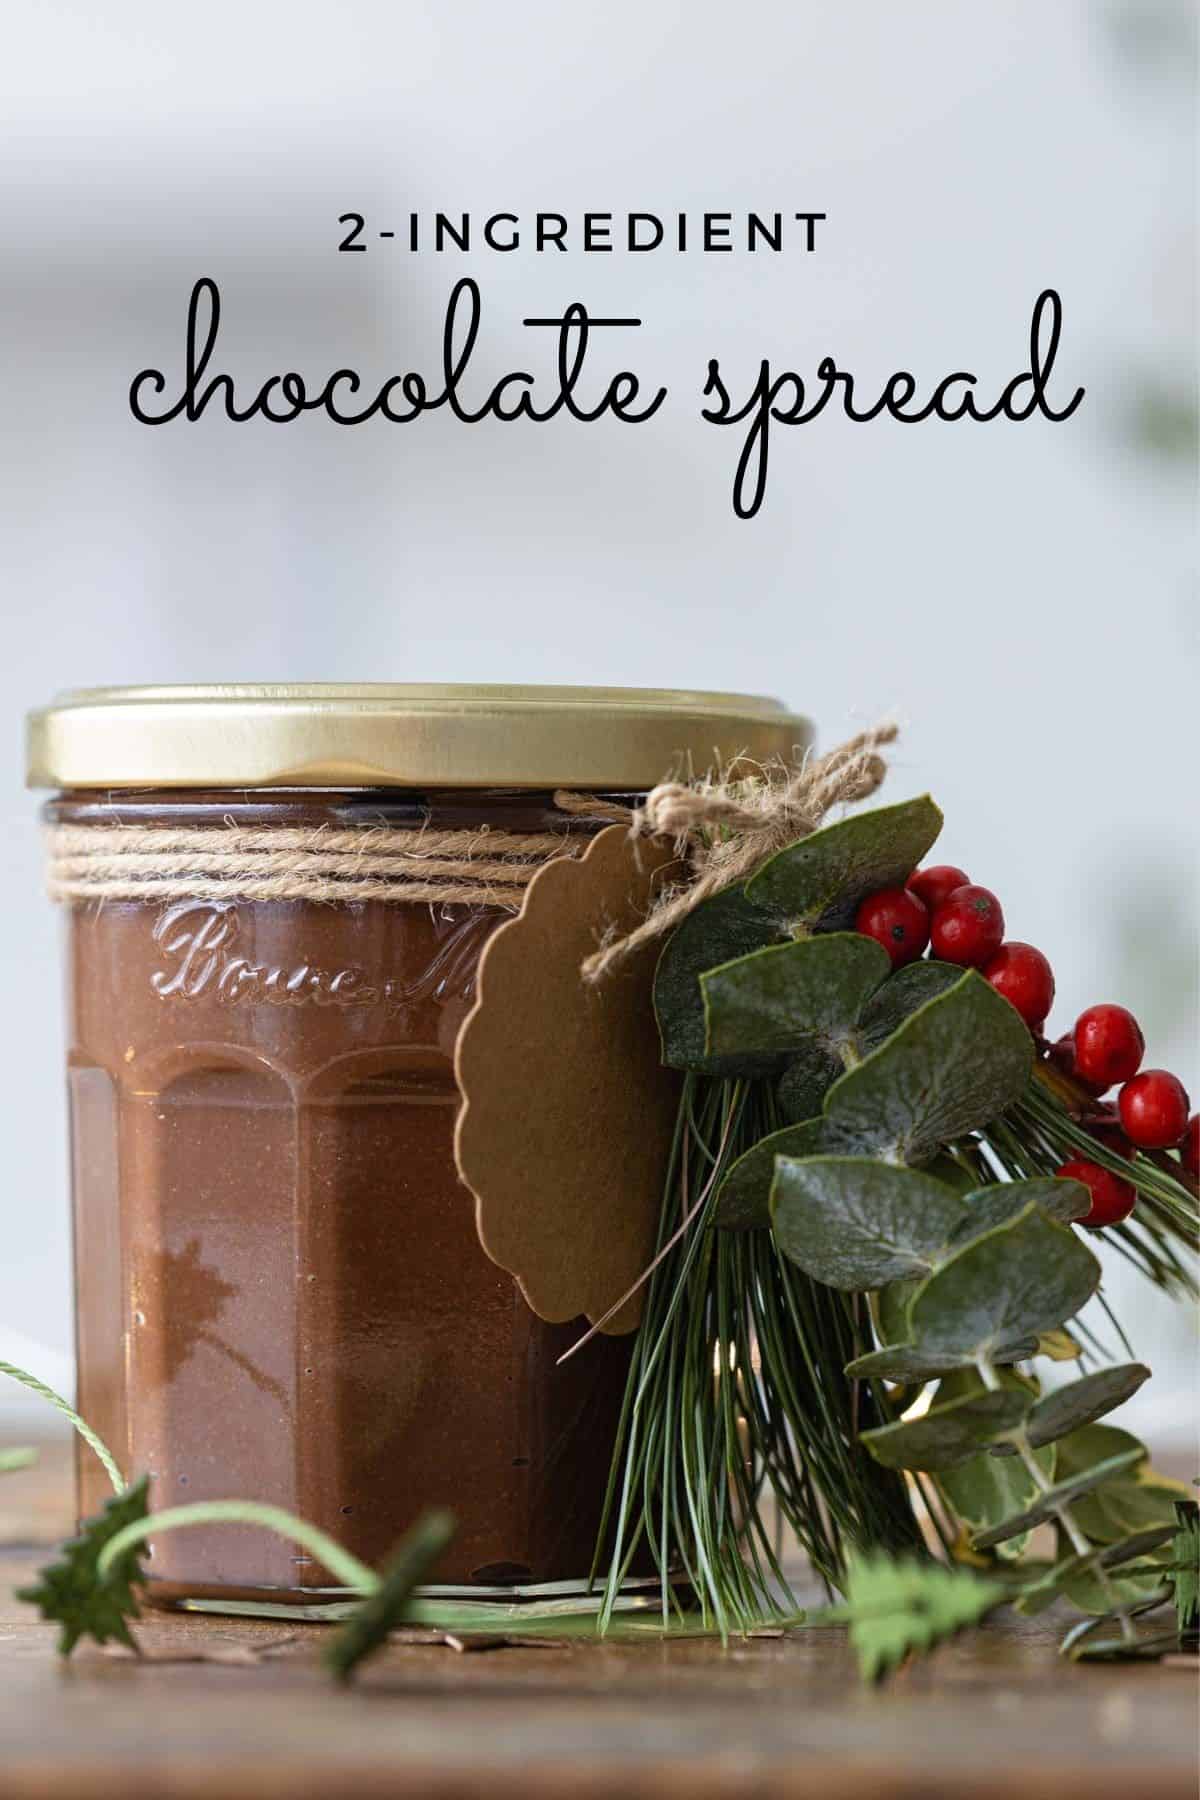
[(280, 1292)]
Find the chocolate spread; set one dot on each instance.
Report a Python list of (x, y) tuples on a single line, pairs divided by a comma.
[(280, 1292)]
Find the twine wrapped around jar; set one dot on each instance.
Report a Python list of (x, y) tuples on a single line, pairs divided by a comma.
[(481, 867), (723, 829)]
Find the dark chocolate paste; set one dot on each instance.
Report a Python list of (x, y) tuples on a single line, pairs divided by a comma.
[(280, 1292)]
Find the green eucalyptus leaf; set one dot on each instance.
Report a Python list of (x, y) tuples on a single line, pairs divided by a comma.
[(899, 997), (1093, 1443), (890, 1311), (953, 1065), (1020, 1278), (775, 1000), (744, 1197), (1091, 1593), (1080, 1402), (719, 929), (983, 1492), (857, 1224), (901, 1607), (801, 1089), (1127, 1505), (979, 1491), (823, 877), (1062, 1201), (1118, 1649), (1052, 1583), (946, 1435), (1063, 1493), (913, 1362)]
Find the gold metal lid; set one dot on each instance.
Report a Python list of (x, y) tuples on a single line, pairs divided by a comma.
[(379, 734)]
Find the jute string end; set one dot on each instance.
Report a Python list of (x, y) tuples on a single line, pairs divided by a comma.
[(727, 827)]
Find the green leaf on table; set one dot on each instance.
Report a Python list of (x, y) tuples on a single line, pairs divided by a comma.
[(1062, 1201), (801, 1089), (1080, 1402), (900, 996), (902, 1607), (368, 1626), (724, 927), (1120, 1649), (1023, 1277), (946, 1435), (776, 1000), (823, 877), (857, 1224), (954, 1064), (71, 1593), (1063, 1493), (744, 1197)]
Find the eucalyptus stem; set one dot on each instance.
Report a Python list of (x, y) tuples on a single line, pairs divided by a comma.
[(1018, 1437), (347, 1568), (81, 1425)]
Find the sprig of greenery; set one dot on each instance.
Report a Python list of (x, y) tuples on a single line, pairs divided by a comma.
[(77, 1595), (887, 1138)]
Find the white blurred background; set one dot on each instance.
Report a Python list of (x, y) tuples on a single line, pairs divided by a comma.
[(1022, 596)]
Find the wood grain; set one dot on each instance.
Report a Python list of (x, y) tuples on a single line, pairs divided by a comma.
[(995, 1714)]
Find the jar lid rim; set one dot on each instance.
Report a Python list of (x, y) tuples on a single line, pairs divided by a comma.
[(383, 734)]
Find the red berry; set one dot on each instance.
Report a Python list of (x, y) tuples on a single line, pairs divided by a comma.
[(936, 884), (1061, 1055), (1109, 1046), (1154, 1109), (968, 927), (1025, 978), (896, 919), (1112, 1198), (1190, 1147)]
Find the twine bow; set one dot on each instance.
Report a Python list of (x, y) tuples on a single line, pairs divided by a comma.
[(726, 829)]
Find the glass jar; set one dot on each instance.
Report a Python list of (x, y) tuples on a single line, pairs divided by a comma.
[(280, 1293)]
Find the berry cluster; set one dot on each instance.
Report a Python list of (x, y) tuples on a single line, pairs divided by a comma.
[(940, 909)]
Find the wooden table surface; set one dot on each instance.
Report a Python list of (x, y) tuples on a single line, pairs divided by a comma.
[(992, 1714)]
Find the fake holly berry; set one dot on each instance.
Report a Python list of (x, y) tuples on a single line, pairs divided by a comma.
[(936, 884), (968, 927), (1112, 1198), (1109, 1046), (898, 920), (1154, 1109), (1025, 978), (1190, 1147)]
